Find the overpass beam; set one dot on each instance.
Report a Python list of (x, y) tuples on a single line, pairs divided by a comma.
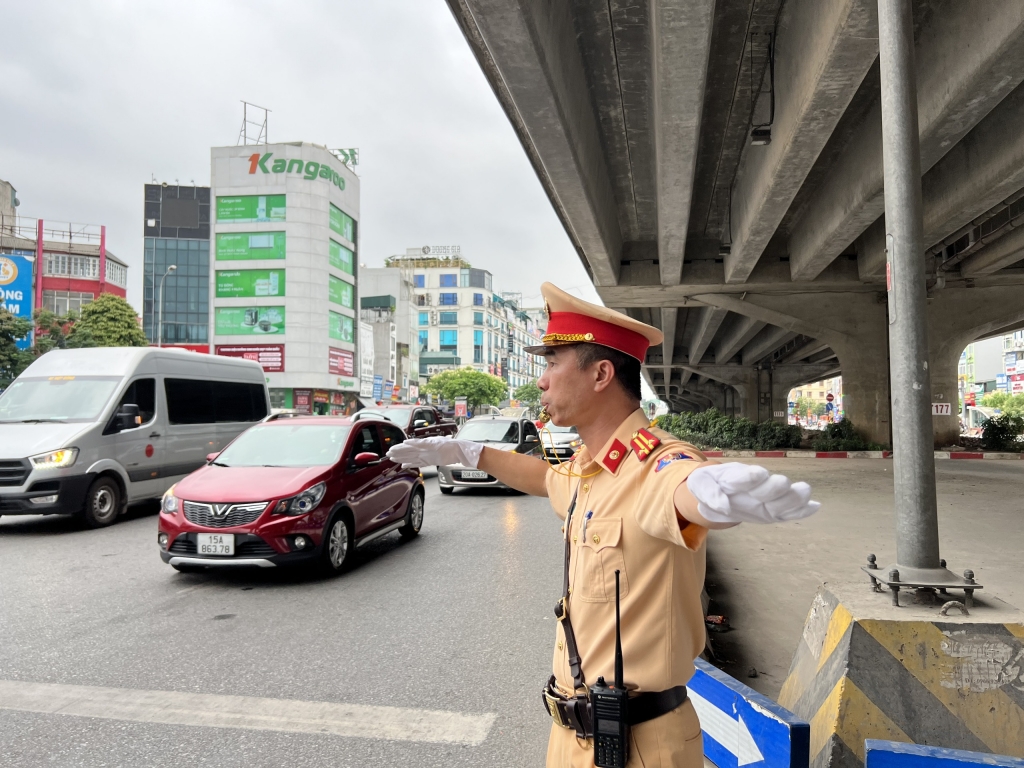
[(527, 49), (969, 58), (822, 52)]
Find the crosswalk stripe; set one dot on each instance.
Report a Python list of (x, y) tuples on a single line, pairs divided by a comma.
[(249, 712)]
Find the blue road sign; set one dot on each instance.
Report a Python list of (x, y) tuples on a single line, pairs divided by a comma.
[(742, 727), (828, 407), (791, 405), (378, 386), (893, 754)]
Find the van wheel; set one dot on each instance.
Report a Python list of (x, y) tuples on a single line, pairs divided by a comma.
[(338, 545), (102, 503), (414, 517)]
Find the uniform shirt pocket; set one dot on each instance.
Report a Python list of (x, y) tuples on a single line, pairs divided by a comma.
[(600, 556)]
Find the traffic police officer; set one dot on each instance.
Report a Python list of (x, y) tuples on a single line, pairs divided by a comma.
[(638, 502)]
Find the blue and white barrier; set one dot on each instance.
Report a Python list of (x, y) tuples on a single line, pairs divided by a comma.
[(894, 754), (742, 727)]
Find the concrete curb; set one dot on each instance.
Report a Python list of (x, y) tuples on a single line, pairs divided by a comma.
[(852, 455)]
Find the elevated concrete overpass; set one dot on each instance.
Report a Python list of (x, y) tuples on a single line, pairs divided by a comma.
[(718, 167)]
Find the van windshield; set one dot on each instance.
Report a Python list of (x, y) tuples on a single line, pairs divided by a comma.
[(57, 398), (285, 445)]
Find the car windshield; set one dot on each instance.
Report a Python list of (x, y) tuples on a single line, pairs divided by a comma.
[(556, 430), (489, 431), (57, 398), (399, 416), (286, 445)]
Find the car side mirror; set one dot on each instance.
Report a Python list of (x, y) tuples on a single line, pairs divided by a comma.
[(532, 439), (211, 457), (420, 423), (128, 417), (365, 459)]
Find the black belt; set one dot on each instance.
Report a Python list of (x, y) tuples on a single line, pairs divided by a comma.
[(574, 712)]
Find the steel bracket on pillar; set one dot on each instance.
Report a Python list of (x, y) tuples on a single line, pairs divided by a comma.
[(897, 577)]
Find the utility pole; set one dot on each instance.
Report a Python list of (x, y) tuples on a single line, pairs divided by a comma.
[(160, 324), (917, 525)]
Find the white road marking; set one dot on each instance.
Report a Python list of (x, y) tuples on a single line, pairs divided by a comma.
[(249, 712)]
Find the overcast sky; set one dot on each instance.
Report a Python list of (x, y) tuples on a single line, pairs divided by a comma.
[(98, 98)]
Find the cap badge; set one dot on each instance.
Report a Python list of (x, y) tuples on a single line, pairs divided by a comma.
[(643, 443)]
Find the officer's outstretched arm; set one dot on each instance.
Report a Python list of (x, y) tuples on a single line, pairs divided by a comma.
[(524, 473), (722, 495)]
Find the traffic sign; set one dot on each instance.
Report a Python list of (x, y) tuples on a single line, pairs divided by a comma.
[(829, 406), (742, 727), (830, 397)]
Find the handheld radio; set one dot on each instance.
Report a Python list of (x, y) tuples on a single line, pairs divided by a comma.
[(610, 707)]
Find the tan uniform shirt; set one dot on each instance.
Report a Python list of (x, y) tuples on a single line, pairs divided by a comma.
[(625, 519)]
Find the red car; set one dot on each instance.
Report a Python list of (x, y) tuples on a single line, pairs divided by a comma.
[(292, 490), (416, 420)]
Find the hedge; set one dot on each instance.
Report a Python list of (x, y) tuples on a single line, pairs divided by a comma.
[(714, 430)]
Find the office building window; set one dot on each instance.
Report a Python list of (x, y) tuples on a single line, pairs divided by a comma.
[(449, 341), (424, 340), (478, 299), (478, 318), (448, 299), (422, 300), (420, 281), (62, 302), (449, 318), (478, 346), (424, 318), (449, 281)]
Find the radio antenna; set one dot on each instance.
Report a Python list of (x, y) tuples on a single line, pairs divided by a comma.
[(618, 638)]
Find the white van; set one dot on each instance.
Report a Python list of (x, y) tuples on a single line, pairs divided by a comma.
[(86, 431)]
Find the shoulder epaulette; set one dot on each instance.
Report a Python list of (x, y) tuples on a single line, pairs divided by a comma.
[(643, 443)]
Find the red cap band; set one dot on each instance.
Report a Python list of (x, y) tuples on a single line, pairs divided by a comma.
[(572, 328)]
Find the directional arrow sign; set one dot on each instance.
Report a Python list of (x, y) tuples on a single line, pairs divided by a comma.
[(742, 727)]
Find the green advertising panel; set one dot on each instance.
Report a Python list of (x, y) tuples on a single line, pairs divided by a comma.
[(341, 223), (251, 208), (341, 257), (249, 245), (250, 282), (248, 321), (341, 327), (340, 292)]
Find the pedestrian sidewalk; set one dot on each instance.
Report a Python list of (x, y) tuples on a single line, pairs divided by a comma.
[(763, 577)]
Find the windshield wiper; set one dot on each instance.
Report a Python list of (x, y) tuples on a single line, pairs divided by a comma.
[(217, 463), (42, 421)]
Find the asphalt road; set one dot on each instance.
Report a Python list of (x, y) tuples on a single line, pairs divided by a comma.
[(454, 629)]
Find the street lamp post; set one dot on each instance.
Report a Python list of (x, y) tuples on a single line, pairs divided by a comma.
[(160, 300)]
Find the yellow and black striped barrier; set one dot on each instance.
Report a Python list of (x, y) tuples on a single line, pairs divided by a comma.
[(865, 670)]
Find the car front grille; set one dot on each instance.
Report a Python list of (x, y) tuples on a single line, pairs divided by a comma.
[(222, 515), (183, 546), (249, 547), (13, 472)]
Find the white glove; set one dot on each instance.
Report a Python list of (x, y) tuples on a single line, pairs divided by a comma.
[(744, 493), (430, 451)]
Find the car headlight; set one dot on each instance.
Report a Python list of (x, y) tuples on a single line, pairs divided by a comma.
[(169, 503), (65, 457), (303, 503)]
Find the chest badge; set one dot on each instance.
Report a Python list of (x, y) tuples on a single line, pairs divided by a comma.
[(643, 443)]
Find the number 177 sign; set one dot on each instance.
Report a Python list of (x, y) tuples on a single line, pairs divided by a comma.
[(942, 409)]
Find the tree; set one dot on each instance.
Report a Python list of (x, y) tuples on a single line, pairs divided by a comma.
[(1005, 402), (109, 321), (805, 404), (477, 387), (53, 332), (12, 360), (528, 394)]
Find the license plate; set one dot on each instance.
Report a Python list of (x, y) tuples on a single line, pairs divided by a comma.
[(473, 474), (215, 543)]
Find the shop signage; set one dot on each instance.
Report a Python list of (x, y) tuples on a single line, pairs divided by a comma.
[(248, 321), (249, 283), (16, 289), (343, 224), (348, 384), (249, 208), (441, 250), (309, 170), (339, 292), (239, 246), (270, 356), (340, 327), (378, 385), (414, 391), (340, 362), (340, 257), (321, 396), (302, 400)]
